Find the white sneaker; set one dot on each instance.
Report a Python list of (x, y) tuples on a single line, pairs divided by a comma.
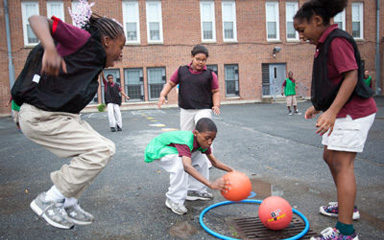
[(52, 212), (334, 234), (79, 216), (177, 208), (332, 210)]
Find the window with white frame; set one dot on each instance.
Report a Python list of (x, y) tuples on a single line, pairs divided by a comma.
[(156, 81), (29, 9), (207, 17), (131, 21), (357, 20), (134, 83), (291, 9), (339, 19), (154, 22), (272, 20), (55, 8), (229, 21), (231, 72)]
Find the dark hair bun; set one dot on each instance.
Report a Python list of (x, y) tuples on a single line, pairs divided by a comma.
[(333, 7), (199, 49)]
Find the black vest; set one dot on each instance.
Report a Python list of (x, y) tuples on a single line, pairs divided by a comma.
[(195, 90), (323, 91), (67, 92), (112, 94)]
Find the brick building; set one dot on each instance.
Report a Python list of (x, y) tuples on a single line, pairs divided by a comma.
[(252, 43)]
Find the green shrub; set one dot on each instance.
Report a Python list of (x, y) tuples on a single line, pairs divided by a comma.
[(101, 107)]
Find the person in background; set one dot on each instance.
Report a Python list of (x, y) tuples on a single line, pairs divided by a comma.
[(112, 97), (289, 90)]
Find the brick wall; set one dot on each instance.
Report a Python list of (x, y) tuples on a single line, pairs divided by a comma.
[(181, 31)]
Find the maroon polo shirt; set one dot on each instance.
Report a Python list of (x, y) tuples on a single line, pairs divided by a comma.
[(285, 81), (184, 150), (341, 59), (69, 38)]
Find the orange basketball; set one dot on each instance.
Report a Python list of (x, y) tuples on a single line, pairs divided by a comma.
[(238, 186), (275, 213)]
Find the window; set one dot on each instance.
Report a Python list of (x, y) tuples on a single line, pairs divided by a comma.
[(291, 9), (55, 8), (229, 21), (213, 68), (357, 20), (207, 17), (156, 81), (272, 20), (339, 19), (134, 84), (28, 9), (131, 21), (154, 22), (231, 73)]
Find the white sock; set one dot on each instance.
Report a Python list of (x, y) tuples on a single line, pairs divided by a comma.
[(70, 202), (53, 194)]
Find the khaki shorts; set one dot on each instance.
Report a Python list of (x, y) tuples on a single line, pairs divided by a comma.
[(349, 135), (291, 100)]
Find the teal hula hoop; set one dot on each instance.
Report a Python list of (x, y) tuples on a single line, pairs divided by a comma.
[(220, 236)]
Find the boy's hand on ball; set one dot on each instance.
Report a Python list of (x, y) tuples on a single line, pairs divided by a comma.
[(218, 184)]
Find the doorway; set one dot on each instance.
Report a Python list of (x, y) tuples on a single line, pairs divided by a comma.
[(273, 76)]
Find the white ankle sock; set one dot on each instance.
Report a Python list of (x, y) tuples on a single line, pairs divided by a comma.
[(70, 202), (53, 194)]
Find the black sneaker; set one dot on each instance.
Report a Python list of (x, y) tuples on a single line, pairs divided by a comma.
[(113, 129), (119, 129)]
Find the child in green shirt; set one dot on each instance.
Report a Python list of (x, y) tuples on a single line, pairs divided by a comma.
[(177, 152)]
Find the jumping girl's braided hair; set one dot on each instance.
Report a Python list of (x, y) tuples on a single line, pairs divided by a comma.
[(92, 22), (106, 26), (327, 9)]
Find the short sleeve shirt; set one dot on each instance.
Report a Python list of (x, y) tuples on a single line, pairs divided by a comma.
[(68, 37), (184, 150), (341, 59)]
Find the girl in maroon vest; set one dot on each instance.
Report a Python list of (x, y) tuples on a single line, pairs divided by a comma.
[(348, 110), (199, 96), (59, 79)]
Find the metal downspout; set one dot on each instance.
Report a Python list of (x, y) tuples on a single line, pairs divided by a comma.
[(11, 69), (377, 55)]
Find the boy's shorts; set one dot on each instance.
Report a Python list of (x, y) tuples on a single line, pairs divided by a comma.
[(349, 135), (291, 100)]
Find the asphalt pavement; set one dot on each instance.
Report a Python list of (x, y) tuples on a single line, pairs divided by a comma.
[(281, 154)]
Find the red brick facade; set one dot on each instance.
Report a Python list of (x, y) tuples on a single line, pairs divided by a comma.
[(181, 31)]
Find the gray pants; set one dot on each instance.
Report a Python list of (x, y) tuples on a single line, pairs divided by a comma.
[(66, 135)]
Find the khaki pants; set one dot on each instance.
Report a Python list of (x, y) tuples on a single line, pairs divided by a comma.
[(66, 135), (179, 180), (291, 100)]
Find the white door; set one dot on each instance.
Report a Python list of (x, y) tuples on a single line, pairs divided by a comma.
[(277, 73)]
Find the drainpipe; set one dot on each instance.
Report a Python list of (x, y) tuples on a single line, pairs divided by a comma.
[(11, 69), (377, 55)]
